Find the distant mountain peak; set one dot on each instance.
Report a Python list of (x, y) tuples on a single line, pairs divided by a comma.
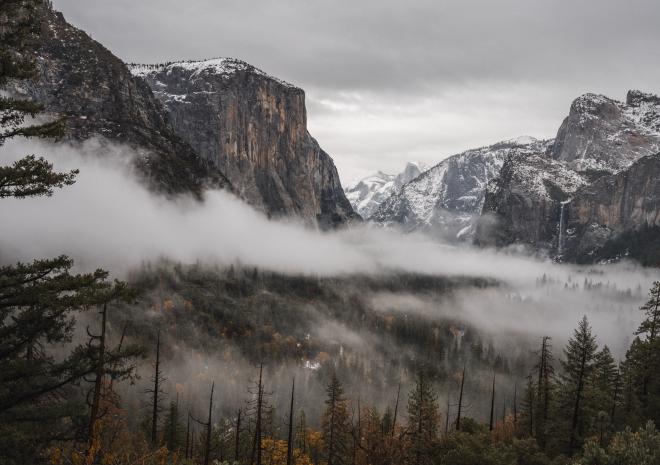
[(446, 199), (368, 193)]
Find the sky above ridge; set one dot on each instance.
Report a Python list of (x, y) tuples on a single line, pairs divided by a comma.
[(394, 81)]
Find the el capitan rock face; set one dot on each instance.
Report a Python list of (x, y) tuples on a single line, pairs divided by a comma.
[(253, 128), (81, 80)]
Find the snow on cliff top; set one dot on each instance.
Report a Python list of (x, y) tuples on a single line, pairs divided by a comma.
[(214, 66)]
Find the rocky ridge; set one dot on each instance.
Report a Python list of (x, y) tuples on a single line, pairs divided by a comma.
[(447, 199), (625, 201)]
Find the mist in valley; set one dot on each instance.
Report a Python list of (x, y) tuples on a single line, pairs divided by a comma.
[(373, 292)]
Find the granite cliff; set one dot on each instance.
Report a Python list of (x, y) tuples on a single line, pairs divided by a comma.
[(253, 128)]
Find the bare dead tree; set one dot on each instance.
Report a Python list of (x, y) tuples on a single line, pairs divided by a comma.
[(256, 444), (492, 404), (289, 444), (98, 381), (188, 436), (447, 416), (157, 393), (515, 404), (396, 408), (209, 424), (237, 445), (460, 401)]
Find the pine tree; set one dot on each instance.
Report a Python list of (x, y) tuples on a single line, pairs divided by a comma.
[(38, 300), (173, 429), (647, 355), (578, 367), (289, 441), (423, 420), (29, 176), (527, 423), (336, 425), (605, 384)]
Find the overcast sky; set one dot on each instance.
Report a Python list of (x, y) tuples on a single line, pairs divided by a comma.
[(392, 81)]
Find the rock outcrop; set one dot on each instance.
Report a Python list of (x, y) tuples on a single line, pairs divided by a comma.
[(79, 79), (625, 201), (522, 204), (370, 192), (253, 128)]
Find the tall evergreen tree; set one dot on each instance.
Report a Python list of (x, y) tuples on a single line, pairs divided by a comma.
[(577, 369), (336, 424), (423, 421), (646, 356), (173, 430), (38, 300)]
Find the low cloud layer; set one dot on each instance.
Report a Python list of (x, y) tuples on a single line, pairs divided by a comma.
[(108, 219)]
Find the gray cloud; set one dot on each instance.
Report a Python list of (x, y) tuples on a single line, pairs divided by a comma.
[(386, 44), (421, 75)]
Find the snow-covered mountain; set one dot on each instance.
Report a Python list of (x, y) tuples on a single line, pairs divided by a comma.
[(446, 199), (367, 195), (588, 188)]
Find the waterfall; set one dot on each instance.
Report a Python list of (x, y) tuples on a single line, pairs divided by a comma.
[(562, 227)]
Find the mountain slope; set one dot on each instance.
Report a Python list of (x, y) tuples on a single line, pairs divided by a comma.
[(94, 91), (253, 128), (447, 199), (367, 195)]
